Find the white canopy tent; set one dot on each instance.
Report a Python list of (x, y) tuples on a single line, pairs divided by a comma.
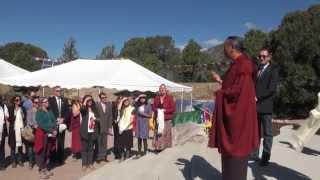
[(121, 74), (10, 70)]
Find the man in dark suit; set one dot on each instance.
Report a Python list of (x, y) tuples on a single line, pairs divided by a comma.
[(266, 85), (105, 126), (59, 106)]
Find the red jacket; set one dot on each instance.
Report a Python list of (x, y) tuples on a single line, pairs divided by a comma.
[(168, 104), (40, 136)]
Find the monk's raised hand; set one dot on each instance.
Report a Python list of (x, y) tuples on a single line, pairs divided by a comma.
[(216, 77)]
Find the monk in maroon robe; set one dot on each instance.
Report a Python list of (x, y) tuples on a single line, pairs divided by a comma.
[(235, 128)]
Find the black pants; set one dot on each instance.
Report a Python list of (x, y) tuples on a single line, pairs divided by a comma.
[(116, 148), (16, 157), (2, 152), (58, 155), (234, 168), (145, 145), (87, 150)]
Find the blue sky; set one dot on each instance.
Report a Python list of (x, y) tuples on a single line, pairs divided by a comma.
[(97, 23)]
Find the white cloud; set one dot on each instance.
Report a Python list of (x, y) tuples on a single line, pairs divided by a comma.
[(250, 25), (181, 46), (213, 42), (203, 49)]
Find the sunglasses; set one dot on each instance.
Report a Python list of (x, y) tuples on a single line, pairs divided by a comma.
[(262, 56), (36, 102), (17, 100)]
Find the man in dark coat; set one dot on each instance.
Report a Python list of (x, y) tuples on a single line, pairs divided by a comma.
[(59, 106), (266, 85)]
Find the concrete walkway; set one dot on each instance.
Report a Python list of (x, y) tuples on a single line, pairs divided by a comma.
[(194, 160)]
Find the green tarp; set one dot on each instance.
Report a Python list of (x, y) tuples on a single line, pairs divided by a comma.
[(184, 117)]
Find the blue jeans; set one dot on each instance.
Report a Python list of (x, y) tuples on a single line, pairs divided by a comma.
[(30, 151), (17, 156)]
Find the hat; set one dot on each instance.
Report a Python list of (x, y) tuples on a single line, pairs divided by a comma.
[(140, 96)]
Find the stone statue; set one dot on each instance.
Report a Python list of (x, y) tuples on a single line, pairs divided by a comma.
[(309, 127)]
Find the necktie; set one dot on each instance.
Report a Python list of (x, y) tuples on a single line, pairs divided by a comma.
[(260, 68)]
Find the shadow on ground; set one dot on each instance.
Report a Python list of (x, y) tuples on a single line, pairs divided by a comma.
[(310, 151), (198, 168), (275, 171)]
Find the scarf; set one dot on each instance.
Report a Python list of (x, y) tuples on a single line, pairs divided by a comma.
[(3, 114), (160, 121), (18, 125), (125, 122)]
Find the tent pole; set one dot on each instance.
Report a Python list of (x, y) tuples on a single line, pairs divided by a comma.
[(78, 92), (191, 100), (42, 91), (181, 104)]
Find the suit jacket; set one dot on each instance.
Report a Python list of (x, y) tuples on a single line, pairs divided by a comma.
[(106, 118), (266, 86), (53, 106)]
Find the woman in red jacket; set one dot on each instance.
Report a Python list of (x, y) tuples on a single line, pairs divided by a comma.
[(166, 104)]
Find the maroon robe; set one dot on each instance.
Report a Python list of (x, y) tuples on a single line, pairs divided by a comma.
[(168, 104), (235, 126), (75, 136)]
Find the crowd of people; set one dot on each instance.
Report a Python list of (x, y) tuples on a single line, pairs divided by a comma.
[(36, 126), (242, 116)]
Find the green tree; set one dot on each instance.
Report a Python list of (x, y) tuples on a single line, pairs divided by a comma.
[(108, 52), (154, 53), (254, 40), (194, 58), (296, 49), (23, 55), (70, 52)]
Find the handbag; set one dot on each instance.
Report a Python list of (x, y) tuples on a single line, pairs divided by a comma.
[(27, 134)]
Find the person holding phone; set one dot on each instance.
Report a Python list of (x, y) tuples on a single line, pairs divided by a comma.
[(88, 131)]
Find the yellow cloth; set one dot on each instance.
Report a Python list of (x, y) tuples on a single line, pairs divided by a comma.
[(151, 122)]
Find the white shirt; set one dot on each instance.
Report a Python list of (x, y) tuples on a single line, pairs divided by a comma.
[(58, 99), (262, 70), (103, 107), (91, 115), (3, 115)]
